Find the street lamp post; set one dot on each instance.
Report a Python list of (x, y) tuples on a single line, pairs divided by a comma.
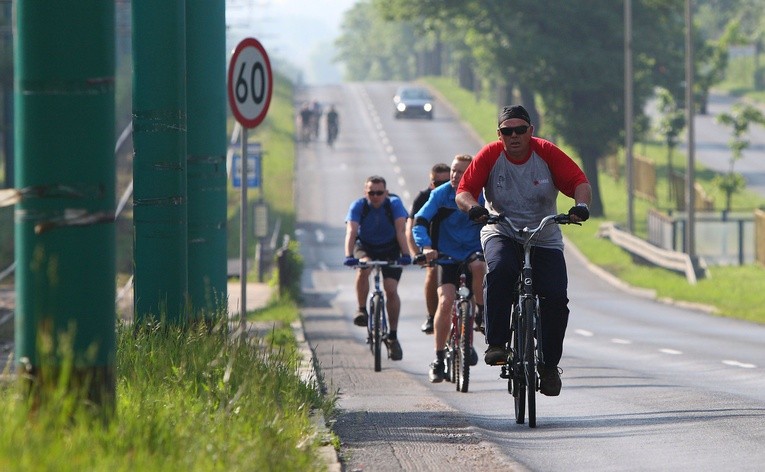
[(628, 114), (690, 195)]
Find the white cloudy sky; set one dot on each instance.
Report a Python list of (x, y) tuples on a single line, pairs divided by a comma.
[(300, 31)]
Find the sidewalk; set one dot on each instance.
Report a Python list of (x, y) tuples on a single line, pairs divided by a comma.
[(258, 295)]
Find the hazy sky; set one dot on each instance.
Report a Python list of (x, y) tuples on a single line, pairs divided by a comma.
[(299, 31)]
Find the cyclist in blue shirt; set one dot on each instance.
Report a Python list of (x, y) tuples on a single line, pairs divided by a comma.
[(375, 227), (459, 238)]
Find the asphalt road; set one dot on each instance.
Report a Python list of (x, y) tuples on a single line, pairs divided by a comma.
[(646, 385)]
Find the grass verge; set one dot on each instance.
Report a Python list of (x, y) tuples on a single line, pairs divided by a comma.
[(187, 400)]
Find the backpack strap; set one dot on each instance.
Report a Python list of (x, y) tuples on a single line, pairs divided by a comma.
[(365, 209)]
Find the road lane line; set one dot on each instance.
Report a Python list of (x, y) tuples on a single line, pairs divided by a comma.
[(743, 365), (672, 352)]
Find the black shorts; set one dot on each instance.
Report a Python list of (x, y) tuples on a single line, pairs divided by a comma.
[(450, 273), (386, 252)]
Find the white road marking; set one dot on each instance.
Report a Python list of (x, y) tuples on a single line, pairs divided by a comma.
[(743, 365), (670, 351), (584, 332), (620, 341)]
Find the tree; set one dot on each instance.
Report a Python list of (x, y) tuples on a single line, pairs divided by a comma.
[(563, 62), (671, 124), (739, 119)]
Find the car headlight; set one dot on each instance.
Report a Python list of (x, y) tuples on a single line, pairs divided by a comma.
[(401, 107), (427, 107)]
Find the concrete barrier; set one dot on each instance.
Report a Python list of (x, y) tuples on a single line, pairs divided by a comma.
[(645, 251)]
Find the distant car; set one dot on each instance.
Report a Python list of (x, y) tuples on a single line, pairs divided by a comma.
[(413, 102)]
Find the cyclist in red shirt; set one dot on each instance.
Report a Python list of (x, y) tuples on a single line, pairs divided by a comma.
[(521, 176)]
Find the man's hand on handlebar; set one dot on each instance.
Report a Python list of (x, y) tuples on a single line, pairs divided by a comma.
[(426, 257), (579, 212), (478, 214), (350, 261)]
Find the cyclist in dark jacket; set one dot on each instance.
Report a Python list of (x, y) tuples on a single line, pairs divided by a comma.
[(439, 174)]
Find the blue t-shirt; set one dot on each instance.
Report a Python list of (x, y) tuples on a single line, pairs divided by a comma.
[(458, 237), (376, 229)]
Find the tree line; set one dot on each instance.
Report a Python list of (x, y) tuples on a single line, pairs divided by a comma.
[(563, 60)]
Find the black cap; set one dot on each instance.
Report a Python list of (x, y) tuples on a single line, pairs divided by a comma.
[(515, 111)]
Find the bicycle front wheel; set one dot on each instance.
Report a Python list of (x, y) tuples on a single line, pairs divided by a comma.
[(529, 361), (517, 377), (451, 356), (464, 344), (377, 308)]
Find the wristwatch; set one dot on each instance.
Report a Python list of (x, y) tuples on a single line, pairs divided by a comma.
[(583, 205)]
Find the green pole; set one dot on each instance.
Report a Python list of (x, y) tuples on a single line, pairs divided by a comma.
[(206, 149), (64, 223), (159, 166)]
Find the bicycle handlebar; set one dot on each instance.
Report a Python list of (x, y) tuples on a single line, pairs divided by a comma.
[(442, 259), (368, 264), (561, 219)]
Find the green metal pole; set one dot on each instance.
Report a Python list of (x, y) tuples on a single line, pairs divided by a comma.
[(159, 166), (64, 224), (206, 148)]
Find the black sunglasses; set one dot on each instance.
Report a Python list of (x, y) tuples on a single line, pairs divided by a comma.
[(438, 183), (376, 193), (519, 130)]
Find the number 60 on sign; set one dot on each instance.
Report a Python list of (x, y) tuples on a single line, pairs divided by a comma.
[(250, 83)]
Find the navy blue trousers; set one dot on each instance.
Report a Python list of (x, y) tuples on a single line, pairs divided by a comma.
[(504, 259)]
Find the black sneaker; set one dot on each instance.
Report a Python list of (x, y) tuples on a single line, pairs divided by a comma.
[(427, 326), (394, 349), (495, 355), (549, 380), (473, 356), (479, 321), (437, 374), (362, 318)]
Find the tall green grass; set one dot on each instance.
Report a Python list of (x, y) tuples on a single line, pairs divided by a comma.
[(729, 290), (187, 400)]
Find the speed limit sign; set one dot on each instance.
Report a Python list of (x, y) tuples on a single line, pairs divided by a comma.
[(250, 83)]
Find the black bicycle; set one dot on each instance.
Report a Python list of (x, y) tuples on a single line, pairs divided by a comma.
[(377, 325), (459, 343), (526, 350)]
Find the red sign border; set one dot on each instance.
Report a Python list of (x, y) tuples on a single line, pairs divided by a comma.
[(244, 121)]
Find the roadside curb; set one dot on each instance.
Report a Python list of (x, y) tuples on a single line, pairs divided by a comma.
[(309, 375)]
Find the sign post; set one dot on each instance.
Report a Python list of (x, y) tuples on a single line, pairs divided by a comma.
[(250, 86)]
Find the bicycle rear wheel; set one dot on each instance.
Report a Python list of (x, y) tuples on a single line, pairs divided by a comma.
[(530, 365), (377, 307), (464, 343)]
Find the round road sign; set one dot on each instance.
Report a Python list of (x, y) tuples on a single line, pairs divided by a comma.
[(250, 83)]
